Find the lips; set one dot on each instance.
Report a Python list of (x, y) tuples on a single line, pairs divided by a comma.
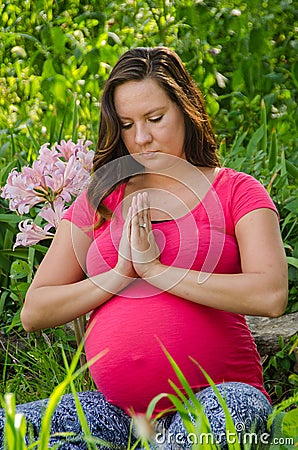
[(148, 155)]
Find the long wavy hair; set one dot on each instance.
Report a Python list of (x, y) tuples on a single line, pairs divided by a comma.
[(164, 66)]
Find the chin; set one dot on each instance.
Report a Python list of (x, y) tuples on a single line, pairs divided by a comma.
[(157, 160)]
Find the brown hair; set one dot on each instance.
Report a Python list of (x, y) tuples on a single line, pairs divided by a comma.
[(166, 68)]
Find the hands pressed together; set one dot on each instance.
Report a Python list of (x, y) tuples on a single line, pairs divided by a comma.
[(138, 251)]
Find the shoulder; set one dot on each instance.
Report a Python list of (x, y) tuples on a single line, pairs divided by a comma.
[(232, 180), (85, 215), (81, 212), (243, 193), (234, 176), (81, 203)]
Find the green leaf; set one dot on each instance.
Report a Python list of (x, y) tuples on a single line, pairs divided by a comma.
[(59, 40), (292, 205), (209, 81), (34, 141), (290, 423), (255, 139), (283, 164), (19, 269), (223, 147), (272, 159), (10, 218), (292, 261), (3, 297), (264, 123), (48, 70), (291, 169), (212, 105), (240, 136), (92, 60)]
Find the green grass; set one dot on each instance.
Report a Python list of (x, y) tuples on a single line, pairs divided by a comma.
[(283, 425), (54, 60)]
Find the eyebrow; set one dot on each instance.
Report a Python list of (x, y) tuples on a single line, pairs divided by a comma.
[(152, 111)]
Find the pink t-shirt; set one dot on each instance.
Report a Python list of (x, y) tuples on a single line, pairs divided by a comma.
[(134, 323)]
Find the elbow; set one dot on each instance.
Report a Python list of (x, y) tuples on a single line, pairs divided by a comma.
[(278, 303), (29, 317), (27, 321)]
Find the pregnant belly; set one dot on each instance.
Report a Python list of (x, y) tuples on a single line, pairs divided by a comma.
[(134, 330)]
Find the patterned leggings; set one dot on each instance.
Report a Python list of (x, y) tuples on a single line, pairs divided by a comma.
[(248, 407)]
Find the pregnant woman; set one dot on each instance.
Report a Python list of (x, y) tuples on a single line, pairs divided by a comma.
[(166, 249)]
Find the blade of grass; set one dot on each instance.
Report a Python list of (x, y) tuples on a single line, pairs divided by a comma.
[(272, 157), (13, 147), (31, 256), (182, 379), (264, 123), (80, 412), (15, 425), (33, 140), (202, 425), (223, 148), (53, 127), (230, 426), (75, 120), (153, 403), (60, 389), (62, 126)]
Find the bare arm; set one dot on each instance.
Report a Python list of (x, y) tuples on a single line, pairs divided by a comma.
[(261, 288), (60, 291)]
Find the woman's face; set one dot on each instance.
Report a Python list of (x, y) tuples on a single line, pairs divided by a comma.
[(152, 124)]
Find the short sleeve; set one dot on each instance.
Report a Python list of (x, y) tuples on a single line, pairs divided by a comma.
[(81, 214), (248, 194)]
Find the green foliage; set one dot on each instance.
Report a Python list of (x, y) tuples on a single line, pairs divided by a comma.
[(56, 56), (32, 366), (281, 425), (15, 423), (279, 371)]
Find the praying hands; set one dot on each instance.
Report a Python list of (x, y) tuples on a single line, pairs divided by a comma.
[(138, 250)]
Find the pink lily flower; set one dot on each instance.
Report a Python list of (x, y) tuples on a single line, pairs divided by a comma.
[(19, 191), (56, 177), (30, 234), (53, 213)]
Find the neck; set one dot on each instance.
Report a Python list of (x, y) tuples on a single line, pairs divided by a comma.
[(179, 171)]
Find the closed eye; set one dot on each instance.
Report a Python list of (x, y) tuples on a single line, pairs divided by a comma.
[(126, 126), (155, 119)]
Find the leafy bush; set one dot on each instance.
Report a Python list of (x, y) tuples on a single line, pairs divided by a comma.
[(56, 56)]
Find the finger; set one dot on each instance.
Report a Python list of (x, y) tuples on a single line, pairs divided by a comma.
[(124, 244), (127, 223), (140, 207), (142, 215), (134, 215), (147, 214)]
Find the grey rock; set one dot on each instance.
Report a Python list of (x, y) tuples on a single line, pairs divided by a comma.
[(266, 331)]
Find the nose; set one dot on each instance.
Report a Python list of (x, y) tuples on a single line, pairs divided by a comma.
[(143, 134)]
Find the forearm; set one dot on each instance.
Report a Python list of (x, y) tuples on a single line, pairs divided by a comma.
[(50, 306), (243, 293)]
